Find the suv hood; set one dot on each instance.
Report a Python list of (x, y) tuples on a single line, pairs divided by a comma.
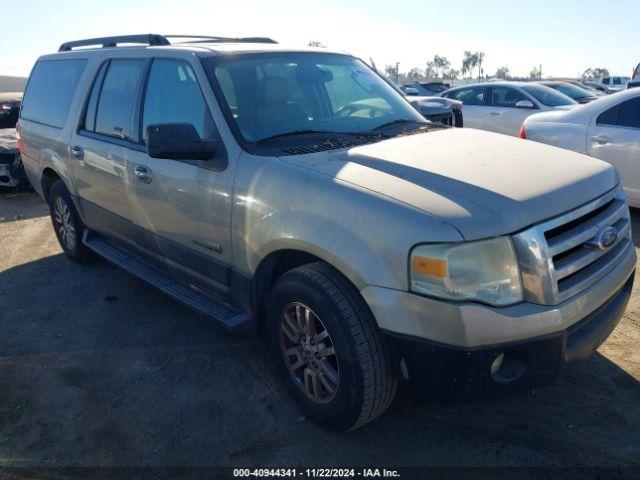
[(484, 184)]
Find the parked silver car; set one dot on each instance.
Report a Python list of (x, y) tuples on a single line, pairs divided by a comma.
[(608, 129), (501, 107), (294, 192)]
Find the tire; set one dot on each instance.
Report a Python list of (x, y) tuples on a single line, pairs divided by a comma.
[(366, 379), (67, 224)]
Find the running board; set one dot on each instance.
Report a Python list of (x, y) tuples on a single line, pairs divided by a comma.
[(222, 312)]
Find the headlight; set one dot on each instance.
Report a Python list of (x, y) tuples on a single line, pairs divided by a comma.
[(485, 271)]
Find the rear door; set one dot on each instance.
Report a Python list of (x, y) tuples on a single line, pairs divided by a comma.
[(182, 208), (503, 116), (474, 105), (99, 148), (614, 137)]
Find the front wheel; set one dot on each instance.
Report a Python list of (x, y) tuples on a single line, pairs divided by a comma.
[(328, 349)]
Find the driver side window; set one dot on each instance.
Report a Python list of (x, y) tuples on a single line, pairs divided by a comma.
[(506, 97), (173, 96)]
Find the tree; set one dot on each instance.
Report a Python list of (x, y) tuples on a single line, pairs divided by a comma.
[(392, 72), (535, 74), (441, 64), (595, 73), (503, 73), (430, 70), (414, 74), (480, 59), (469, 61), (451, 73)]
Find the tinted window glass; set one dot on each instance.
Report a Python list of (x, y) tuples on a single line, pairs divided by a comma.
[(630, 113), (116, 98), (548, 96), (173, 96), (609, 117), (605, 81), (506, 97), (90, 116), (469, 96), (50, 91), (571, 91)]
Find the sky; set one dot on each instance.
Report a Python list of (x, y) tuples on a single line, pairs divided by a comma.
[(564, 36)]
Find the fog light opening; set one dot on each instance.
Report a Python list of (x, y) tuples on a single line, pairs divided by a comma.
[(507, 368)]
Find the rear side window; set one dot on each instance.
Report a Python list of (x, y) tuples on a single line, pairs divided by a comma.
[(50, 90), (173, 96), (116, 98), (629, 115), (609, 117)]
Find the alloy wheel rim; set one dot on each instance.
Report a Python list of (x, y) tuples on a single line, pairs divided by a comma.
[(64, 223), (309, 353)]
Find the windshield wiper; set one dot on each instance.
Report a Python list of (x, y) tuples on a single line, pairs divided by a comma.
[(307, 132), (398, 122)]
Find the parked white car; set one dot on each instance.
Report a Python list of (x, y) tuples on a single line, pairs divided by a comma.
[(616, 83), (501, 107), (608, 129)]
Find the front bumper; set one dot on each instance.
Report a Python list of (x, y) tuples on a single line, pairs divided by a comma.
[(448, 371)]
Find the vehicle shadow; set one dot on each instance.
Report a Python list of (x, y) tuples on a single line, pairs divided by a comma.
[(20, 204), (99, 369)]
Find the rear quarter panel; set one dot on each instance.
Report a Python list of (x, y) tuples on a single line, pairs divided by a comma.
[(563, 135), (45, 146)]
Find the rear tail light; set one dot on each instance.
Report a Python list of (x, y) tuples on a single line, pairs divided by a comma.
[(523, 133), (19, 137)]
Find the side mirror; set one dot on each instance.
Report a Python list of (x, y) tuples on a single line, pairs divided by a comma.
[(525, 104), (178, 141)]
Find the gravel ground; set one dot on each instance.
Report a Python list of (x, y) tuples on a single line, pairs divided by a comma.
[(99, 369)]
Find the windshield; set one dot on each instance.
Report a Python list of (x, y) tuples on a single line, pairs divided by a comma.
[(548, 96), (294, 97), (571, 90)]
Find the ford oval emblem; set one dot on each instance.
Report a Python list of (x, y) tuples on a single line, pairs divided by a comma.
[(605, 238)]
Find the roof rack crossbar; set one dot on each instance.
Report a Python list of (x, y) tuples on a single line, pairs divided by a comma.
[(108, 42), (208, 38)]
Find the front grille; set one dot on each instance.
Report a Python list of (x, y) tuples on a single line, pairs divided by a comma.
[(559, 258)]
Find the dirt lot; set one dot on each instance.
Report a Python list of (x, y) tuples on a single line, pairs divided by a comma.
[(99, 369)]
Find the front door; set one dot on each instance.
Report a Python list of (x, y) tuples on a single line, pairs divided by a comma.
[(182, 208), (614, 137), (503, 115)]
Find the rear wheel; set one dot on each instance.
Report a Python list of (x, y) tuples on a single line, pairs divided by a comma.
[(328, 349), (67, 223)]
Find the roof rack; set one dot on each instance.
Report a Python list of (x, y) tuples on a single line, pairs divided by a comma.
[(156, 40), (107, 42)]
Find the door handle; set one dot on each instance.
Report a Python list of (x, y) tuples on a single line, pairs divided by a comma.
[(142, 173), (77, 151), (495, 114), (601, 139)]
